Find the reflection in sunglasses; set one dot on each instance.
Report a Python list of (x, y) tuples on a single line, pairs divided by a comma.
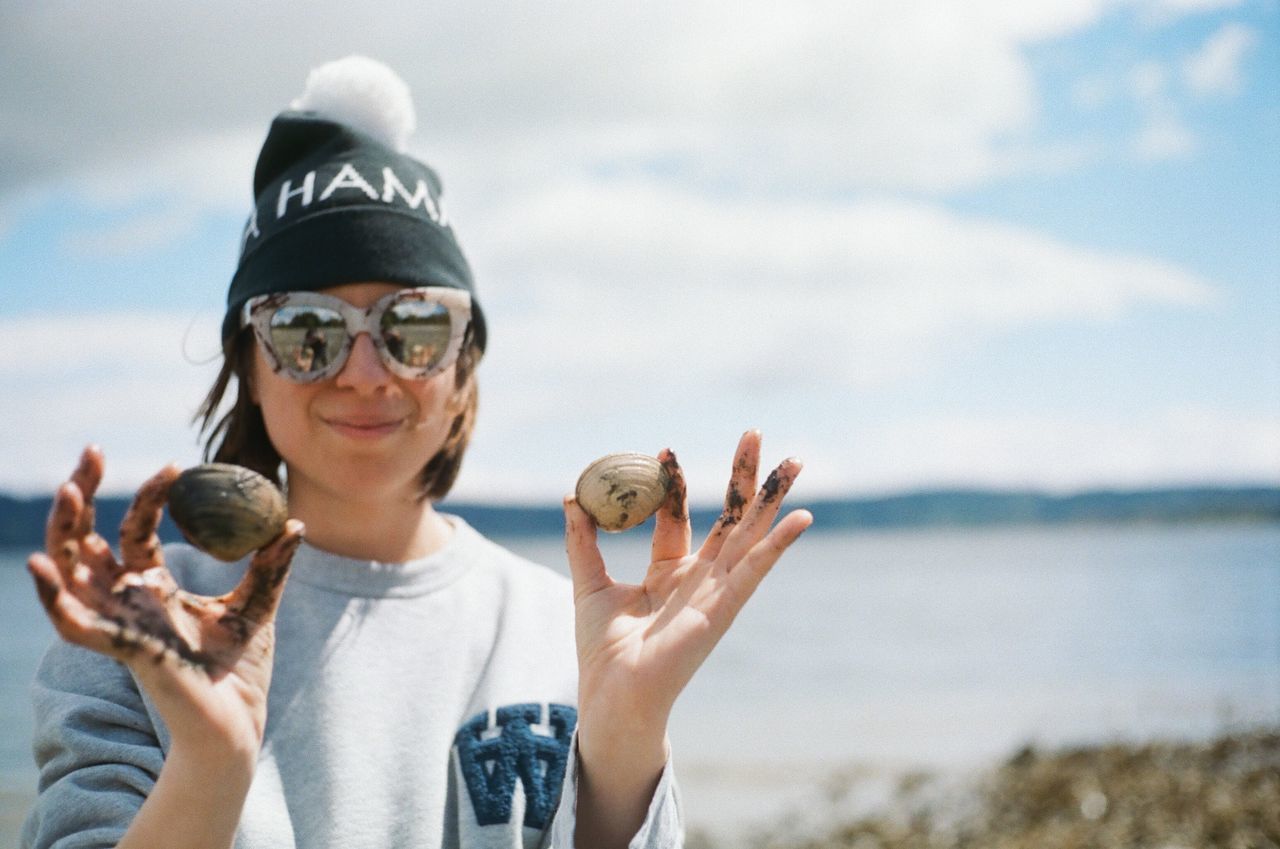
[(417, 331)]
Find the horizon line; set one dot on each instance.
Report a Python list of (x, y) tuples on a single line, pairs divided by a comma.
[(1039, 490)]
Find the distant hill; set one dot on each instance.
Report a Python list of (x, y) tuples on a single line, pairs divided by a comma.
[(22, 519)]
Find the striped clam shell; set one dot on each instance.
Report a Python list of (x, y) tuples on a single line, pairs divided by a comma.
[(619, 491), (226, 510)]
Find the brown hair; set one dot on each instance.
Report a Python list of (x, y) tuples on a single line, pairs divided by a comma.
[(240, 436)]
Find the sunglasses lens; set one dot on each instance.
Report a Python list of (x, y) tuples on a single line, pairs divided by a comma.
[(416, 333), (307, 338)]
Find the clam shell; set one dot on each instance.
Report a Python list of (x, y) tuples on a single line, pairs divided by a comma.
[(620, 491), (225, 510)]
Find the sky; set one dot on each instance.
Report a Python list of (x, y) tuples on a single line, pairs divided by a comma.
[(917, 243)]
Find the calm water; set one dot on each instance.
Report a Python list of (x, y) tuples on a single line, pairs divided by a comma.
[(938, 648)]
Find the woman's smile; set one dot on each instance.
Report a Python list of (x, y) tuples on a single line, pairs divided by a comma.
[(365, 427)]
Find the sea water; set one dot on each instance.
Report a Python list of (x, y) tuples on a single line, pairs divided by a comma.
[(908, 649)]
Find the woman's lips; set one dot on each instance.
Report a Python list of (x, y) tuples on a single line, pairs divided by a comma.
[(361, 428)]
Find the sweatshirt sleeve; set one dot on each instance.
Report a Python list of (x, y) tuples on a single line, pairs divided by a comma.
[(96, 749), (663, 826)]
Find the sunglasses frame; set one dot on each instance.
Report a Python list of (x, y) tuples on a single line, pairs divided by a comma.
[(258, 312)]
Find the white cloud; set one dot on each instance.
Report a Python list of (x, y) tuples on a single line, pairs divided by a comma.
[(656, 199), (1164, 138), (210, 170), (1149, 82), (1215, 68), (140, 423), (1090, 448), (1163, 134), (887, 277), (134, 234), (924, 95), (15, 205), (623, 311), (1166, 11), (128, 381), (45, 345), (1186, 7), (884, 286), (1169, 446), (143, 202), (1092, 93)]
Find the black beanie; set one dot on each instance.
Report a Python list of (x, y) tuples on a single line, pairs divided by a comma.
[(337, 203)]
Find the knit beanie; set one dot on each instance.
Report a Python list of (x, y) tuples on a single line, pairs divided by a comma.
[(338, 200)]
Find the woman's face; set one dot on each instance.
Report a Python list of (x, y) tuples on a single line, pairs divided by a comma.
[(363, 434)]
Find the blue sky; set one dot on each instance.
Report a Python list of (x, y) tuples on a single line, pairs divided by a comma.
[(997, 244)]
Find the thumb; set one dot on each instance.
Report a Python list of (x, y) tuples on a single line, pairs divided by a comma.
[(258, 594), (586, 564)]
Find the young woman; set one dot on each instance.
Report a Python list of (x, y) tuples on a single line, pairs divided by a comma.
[(411, 683)]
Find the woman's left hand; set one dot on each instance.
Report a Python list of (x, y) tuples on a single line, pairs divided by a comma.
[(640, 644)]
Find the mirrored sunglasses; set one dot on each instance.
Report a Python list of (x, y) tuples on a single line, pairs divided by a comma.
[(307, 336)]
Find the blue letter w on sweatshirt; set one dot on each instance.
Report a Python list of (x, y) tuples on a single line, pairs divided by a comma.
[(491, 762)]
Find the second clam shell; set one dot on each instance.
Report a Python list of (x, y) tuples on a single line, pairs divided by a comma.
[(619, 491), (226, 510)]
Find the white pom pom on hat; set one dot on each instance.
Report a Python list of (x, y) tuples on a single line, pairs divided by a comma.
[(364, 94)]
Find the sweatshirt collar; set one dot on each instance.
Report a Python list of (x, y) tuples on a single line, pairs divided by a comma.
[(375, 579)]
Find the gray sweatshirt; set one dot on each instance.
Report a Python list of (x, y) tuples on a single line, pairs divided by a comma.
[(420, 704)]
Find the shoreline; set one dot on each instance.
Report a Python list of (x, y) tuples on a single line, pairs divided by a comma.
[(22, 516), (1162, 793)]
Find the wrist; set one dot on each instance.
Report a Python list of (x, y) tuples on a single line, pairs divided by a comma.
[(228, 768), (621, 737), (621, 757), (227, 757), (195, 803)]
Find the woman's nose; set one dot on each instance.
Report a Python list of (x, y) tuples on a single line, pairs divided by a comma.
[(364, 367)]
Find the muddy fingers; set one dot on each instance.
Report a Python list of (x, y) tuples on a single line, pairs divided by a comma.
[(671, 533), (139, 543), (138, 623), (742, 484), (88, 476), (676, 505), (62, 536), (124, 624), (256, 597), (48, 581), (762, 511)]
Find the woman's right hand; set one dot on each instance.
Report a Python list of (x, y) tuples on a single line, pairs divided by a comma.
[(204, 661)]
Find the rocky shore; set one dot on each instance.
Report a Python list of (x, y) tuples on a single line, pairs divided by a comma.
[(1223, 792)]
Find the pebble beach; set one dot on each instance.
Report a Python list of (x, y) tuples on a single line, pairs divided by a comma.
[(1222, 792)]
